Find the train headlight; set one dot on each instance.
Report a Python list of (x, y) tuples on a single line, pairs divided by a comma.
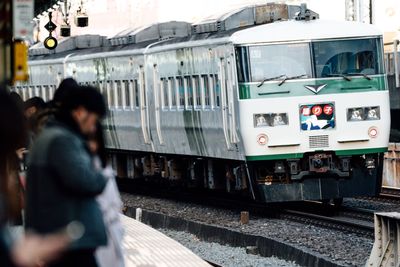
[(279, 119), (260, 120), (364, 114), (270, 120), (373, 113), (355, 114)]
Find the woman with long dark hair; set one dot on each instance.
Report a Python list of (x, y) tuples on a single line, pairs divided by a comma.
[(31, 250)]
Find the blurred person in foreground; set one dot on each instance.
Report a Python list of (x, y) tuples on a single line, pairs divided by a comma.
[(32, 107), (67, 86), (110, 205), (30, 250), (62, 183)]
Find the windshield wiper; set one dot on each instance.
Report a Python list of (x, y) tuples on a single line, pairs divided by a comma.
[(339, 75), (360, 74), (292, 78), (270, 79)]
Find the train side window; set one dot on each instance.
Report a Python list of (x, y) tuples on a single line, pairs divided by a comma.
[(171, 93), (197, 95), (100, 87), (21, 92), (29, 93), (188, 92), (164, 93), (104, 90), (51, 92), (118, 97), (181, 92), (37, 90), (211, 84), (217, 91), (32, 90), (43, 92), (26, 92), (137, 95), (110, 95), (126, 94), (205, 85)]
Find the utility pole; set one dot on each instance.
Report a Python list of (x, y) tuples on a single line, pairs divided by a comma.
[(360, 10), (6, 47)]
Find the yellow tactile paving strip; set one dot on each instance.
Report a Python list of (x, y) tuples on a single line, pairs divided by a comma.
[(146, 247)]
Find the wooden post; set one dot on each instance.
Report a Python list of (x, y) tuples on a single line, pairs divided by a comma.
[(244, 217)]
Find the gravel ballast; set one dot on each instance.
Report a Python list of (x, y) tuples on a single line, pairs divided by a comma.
[(372, 204), (224, 255), (342, 248)]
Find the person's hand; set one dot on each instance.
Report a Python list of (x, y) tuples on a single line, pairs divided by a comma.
[(35, 251), (20, 152)]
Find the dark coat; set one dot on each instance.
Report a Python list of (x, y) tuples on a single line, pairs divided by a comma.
[(62, 185), (5, 251)]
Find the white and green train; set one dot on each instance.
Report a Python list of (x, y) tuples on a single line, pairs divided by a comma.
[(268, 100)]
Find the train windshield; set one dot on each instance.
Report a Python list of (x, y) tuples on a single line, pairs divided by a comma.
[(319, 59), (258, 63), (347, 57)]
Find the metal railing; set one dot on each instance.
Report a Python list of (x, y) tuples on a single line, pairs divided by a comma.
[(395, 61), (391, 167), (386, 249)]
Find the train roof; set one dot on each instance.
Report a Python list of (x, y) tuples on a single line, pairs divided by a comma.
[(303, 31), (254, 24)]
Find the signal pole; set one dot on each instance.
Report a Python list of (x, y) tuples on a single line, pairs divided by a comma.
[(360, 10)]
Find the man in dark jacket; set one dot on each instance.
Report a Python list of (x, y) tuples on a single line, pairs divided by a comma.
[(61, 181)]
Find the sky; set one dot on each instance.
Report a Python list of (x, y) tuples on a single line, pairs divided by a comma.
[(108, 17)]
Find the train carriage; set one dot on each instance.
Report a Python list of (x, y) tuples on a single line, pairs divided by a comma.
[(267, 100)]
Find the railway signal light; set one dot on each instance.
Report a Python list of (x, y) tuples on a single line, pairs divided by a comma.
[(65, 30), (82, 20), (50, 26), (50, 42)]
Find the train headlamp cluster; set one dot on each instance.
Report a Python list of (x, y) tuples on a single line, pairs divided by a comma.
[(363, 114), (270, 120)]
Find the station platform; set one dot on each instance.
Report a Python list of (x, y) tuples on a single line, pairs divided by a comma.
[(145, 246)]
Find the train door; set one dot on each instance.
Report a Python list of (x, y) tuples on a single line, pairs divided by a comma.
[(143, 105), (228, 83)]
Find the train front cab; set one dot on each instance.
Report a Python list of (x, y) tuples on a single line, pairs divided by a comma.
[(314, 117)]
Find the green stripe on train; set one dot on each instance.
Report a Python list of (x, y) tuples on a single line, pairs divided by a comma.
[(297, 88), (300, 155)]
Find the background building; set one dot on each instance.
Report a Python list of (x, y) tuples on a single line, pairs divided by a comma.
[(108, 17)]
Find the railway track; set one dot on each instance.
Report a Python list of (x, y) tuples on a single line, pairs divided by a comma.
[(354, 220), (390, 193), (343, 221)]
